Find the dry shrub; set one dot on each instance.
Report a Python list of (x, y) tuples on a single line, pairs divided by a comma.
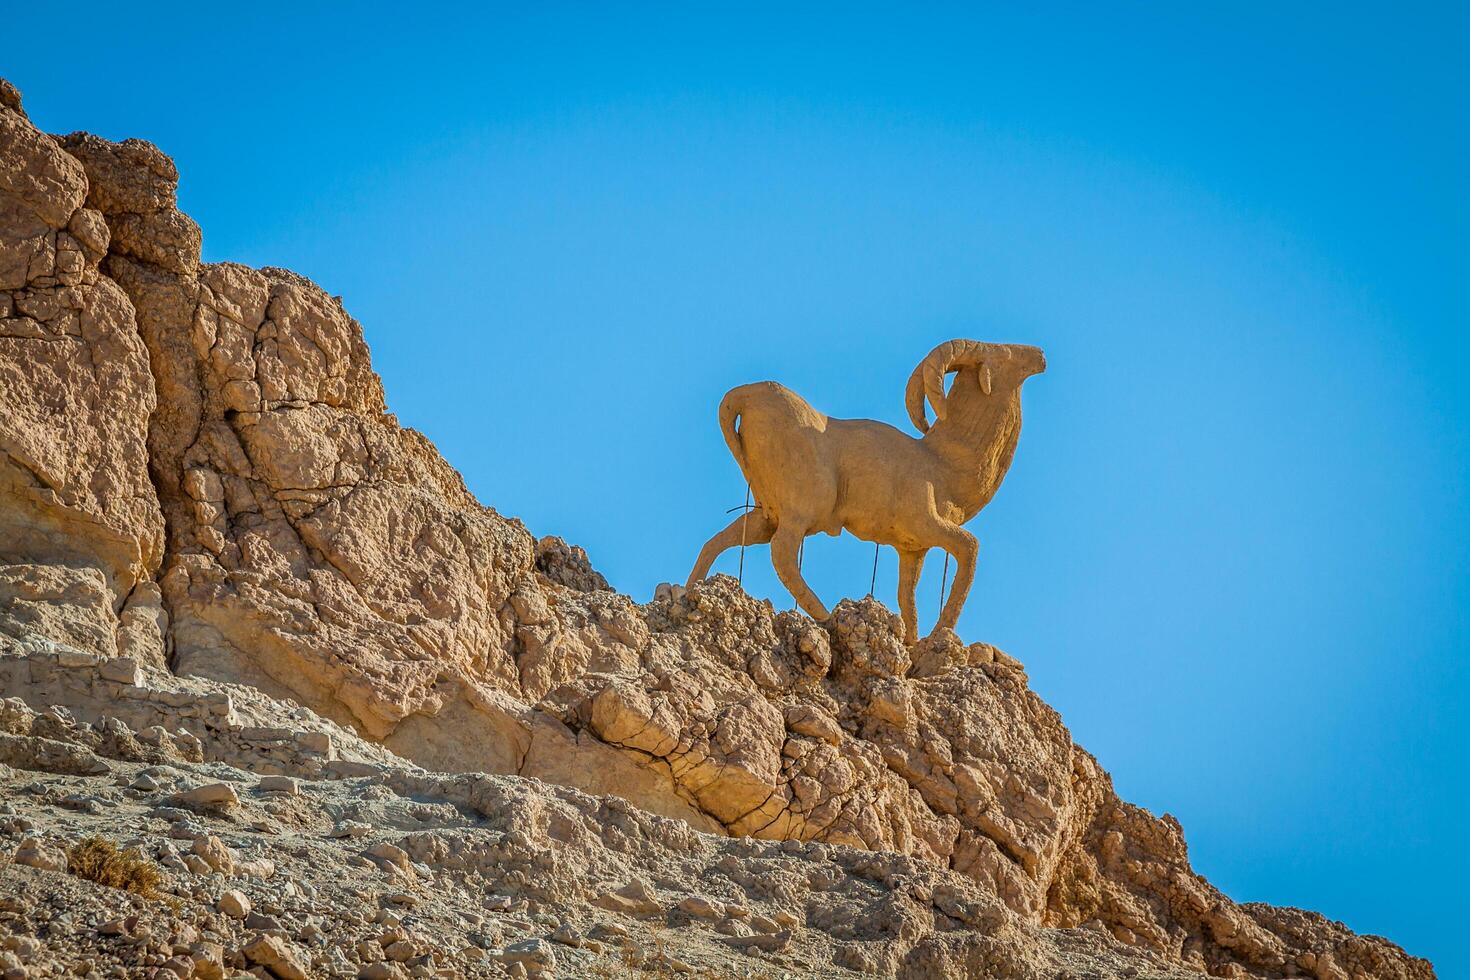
[(99, 860)]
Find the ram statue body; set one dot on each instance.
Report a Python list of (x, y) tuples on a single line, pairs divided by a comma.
[(809, 473)]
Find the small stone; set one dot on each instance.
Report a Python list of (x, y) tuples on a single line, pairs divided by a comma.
[(215, 852), (350, 828), (381, 971), (234, 904), (765, 942), (537, 952), (263, 923), (701, 907), (34, 853), (276, 956), (209, 795), (123, 670), (280, 784), (208, 959), (566, 935)]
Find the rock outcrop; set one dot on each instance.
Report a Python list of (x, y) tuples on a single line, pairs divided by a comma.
[(203, 486), (77, 394)]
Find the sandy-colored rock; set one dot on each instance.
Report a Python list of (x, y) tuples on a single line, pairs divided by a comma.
[(303, 521), (70, 605), (277, 956), (209, 795), (234, 904), (75, 382), (34, 853)]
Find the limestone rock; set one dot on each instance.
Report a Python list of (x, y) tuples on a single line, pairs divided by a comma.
[(74, 379), (209, 795), (276, 956), (234, 904), (70, 605), (34, 853), (568, 565)]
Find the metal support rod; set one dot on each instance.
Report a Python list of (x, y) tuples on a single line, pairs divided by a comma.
[(943, 582), (744, 518)]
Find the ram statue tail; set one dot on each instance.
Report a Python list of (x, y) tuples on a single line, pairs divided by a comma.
[(730, 408)]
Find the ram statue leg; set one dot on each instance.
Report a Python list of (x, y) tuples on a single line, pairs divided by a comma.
[(910, 564), (965, 548), (785, 545), (752, 527)]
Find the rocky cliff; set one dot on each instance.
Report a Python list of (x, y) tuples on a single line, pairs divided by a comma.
[(206, 503)]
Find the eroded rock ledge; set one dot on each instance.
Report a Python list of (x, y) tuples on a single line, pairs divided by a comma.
[(199, 475)]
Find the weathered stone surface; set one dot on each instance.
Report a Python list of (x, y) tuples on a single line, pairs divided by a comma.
[(209, 795), (75, 383), (303, 521), (34, 853), (69, 605), (235, 904), (277, 956)]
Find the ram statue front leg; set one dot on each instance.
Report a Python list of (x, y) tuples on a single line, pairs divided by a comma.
[(910, 565), (965, 548)]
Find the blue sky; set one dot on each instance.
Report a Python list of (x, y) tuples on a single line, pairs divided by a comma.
[(1233, 547)]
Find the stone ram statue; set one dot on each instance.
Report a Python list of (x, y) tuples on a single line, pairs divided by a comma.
[(811, 473)]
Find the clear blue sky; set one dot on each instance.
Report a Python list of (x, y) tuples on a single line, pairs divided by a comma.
[(1233, 548)]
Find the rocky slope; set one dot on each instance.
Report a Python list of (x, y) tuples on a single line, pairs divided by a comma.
[(206, 500)]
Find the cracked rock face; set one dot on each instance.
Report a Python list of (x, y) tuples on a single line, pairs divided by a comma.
[(201, 480), (76, 394)]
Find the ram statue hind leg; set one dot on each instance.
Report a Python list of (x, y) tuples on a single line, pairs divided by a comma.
[(751, 527), (785, 549)]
